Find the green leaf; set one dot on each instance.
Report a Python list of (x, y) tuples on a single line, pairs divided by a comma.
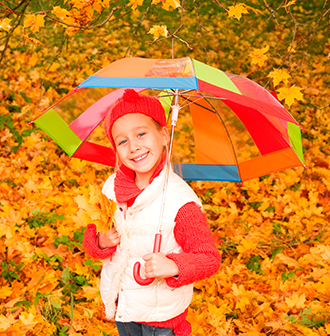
[(276, 251), (287, 276), (66, 275), (292, 319), (254, 265), (55, 304), (92, 263)]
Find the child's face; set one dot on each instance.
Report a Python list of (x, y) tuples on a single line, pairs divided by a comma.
[(139, 143)]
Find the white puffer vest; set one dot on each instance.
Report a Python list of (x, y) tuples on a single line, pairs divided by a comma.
[(157, 301)]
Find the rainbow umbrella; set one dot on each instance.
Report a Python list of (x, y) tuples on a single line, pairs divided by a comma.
[(239, 130)]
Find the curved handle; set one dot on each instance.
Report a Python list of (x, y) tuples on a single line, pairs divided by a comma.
[(137, 265)]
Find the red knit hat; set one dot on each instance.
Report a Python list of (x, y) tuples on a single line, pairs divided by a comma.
[(132, 102)]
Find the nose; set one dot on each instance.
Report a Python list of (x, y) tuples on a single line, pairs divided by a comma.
[(134, 146)]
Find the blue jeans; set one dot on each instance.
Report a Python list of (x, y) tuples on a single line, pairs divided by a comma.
[(140, 329)]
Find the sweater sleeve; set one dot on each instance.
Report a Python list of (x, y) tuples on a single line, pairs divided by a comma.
[(200, 258), (91, 246)]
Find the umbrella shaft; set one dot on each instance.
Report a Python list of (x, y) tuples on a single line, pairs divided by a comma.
[(175, 113), (166, 182)]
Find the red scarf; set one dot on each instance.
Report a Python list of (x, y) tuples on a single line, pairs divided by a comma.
[(125, 188)]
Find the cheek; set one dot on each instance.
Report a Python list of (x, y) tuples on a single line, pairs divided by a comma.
[(120, 153)]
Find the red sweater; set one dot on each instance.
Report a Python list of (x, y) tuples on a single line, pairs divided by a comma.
[(199, 260)]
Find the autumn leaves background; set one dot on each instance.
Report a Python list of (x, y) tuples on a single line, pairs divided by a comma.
[(273, 231)]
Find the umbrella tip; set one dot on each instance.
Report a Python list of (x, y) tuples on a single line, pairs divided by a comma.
[(31, 122), (305, 167)]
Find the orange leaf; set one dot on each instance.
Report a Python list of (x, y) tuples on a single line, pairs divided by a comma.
[(5, 291), (296, 301), (258, 56), (34, 22), (32, 39)]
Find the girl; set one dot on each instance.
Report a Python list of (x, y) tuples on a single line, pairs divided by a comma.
[(136, 127)]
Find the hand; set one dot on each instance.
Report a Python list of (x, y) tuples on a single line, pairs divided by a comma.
[(109, 239), (159, 266)]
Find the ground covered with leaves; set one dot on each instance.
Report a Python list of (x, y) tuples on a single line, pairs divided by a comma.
[(273, 232)]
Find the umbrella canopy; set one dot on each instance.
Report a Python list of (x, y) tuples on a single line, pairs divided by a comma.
[(239, 130)]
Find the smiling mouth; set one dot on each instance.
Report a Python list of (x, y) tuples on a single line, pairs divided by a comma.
[(140, 157)]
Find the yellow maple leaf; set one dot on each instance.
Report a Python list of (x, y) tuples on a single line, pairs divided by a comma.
[(167, 4), (135, 3), (5, 24), (27, 319), (289, 94), (5, 291), (63, 15), (296, 301), (292, 2), (246, 245), (258, 55), (34, 22), (157, 31), (91, 293), (287, 260), (6, 322), (237, 11), (80, 269), (278, 76)]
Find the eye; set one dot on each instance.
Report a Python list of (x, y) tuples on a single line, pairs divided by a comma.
[(122, 142), (141, 134)]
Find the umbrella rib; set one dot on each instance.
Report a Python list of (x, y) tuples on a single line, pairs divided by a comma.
[(195, 96), (204, 107), (203, 97)]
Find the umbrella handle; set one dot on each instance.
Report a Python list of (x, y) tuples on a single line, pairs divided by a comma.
[(137, 265)]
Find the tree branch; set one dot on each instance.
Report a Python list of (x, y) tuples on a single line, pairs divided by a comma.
[(137, 28), (10, 33), (200, 29)]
